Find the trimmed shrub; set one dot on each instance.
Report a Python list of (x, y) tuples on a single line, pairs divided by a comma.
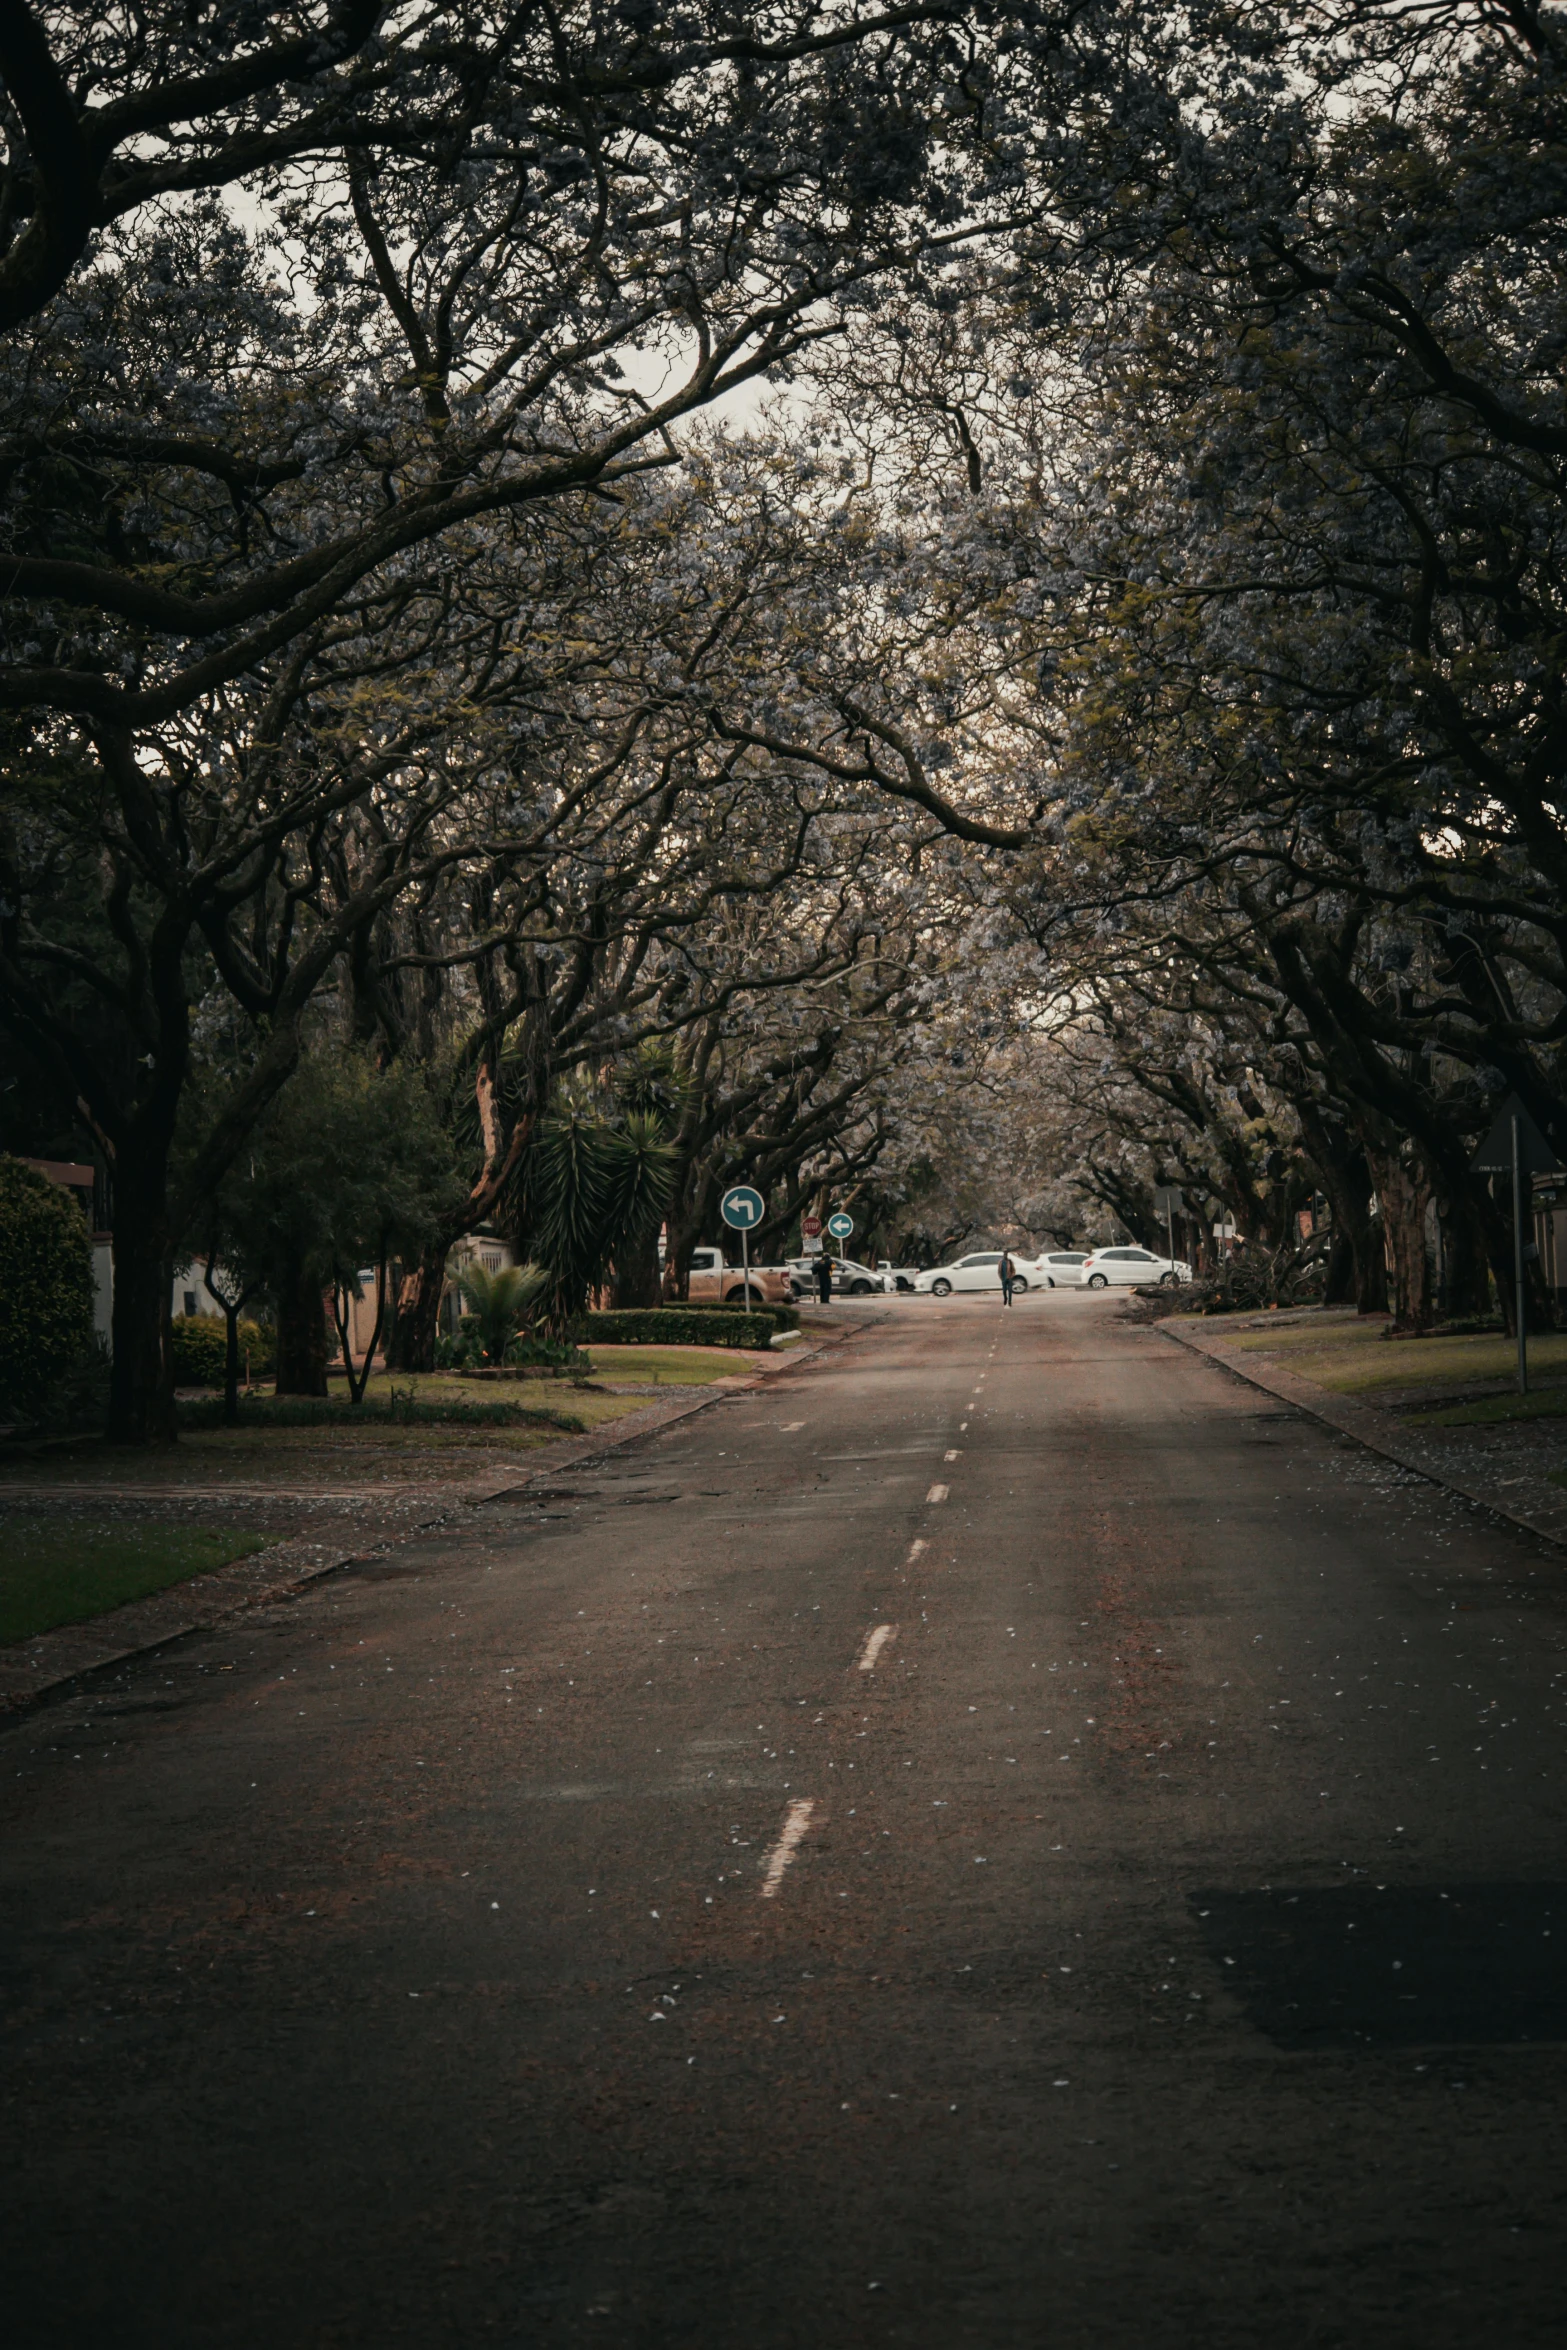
[(46, 1328), (687, 1326), (786, 1317), (199, 1346)]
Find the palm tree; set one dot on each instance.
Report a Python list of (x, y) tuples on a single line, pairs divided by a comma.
[(499, 1302), (591, 1191)]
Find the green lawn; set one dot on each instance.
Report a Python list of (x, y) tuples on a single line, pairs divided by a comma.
[(56, 1570), (1548, 1403), (1353, 1358)]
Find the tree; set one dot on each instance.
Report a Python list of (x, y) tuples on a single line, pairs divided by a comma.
[(46, 1281), (349, 1170)]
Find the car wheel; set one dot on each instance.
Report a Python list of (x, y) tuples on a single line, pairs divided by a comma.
[(859, 1289), (1169, 1280), (906, 1288), (744, 1297), (1098, 1281), (941, 1289), (1019, 1287)]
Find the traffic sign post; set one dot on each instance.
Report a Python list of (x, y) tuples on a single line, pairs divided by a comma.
[(1515, 1146), (1169, 1197), (741, 1207), (840, 1225)]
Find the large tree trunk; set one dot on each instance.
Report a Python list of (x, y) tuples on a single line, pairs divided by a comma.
[(637, 1280), (301, 1336), (411, 1346), (141, 1379), (1405, 1192), (1341, 1283), (1346, 1178), (1465, 1265)]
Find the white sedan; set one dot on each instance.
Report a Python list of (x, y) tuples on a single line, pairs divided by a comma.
[(1061, 1269), (980, 1271), (1122, 1268)]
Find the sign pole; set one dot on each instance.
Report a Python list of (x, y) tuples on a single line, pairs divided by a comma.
[(1169, 1226), (745, 1259), (1523, 1342)]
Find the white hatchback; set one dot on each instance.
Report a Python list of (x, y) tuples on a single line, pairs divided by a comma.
[(980, 1271), (1121, 1268)]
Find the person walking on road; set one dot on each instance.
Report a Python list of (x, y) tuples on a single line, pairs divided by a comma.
[(824, 1279), (1006, 1278)]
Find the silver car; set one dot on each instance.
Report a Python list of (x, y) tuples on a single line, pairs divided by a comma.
[(848, 1278)]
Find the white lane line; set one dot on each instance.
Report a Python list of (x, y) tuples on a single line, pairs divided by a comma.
[(790, 1427), (875, 1642), (916, 1549), (950, 1456), (796, 1820), (937, 1493)]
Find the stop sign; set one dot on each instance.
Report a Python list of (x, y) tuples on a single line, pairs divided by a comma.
[(810, 1226)]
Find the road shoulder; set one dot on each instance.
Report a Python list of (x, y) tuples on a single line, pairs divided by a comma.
[(1424, 1454)]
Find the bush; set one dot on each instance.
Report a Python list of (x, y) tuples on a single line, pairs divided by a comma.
[(687, 1326), (46, 1328), (200, 1344)]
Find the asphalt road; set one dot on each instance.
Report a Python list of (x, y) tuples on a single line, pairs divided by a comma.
[(555, 1933)]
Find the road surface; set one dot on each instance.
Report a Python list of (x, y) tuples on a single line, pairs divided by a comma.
[(1004, 1837)]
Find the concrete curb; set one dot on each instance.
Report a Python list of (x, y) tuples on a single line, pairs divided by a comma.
[(1359, 1421), (31, 1669)]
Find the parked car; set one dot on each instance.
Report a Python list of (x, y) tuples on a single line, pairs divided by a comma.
[(979, 1271), (1120, 1268), (714, 1283), (1062, 1268), (848, 1278), (901, 1276)]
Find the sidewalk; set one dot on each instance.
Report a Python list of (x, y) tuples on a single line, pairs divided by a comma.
[(1503, 1470)]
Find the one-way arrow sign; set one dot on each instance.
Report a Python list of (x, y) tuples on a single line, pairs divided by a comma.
[(1495, 1154)]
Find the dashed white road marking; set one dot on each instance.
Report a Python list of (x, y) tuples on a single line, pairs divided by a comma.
[(916, 1549), (796, 1820), (937, 1493), (875, 1642), (790, 1427), (950, 1456)]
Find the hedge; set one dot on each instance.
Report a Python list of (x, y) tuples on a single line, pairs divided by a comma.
[(46, 1281), (199, 1348), (687, 1326)]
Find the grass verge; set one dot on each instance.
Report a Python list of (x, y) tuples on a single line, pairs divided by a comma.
[(61, 1570), (1544, 1403), (669, 1366), (391, 1408), (1356, 1359)]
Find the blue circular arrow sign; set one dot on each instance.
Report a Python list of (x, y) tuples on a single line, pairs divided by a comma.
[(742, 1207), (840, 1226)]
